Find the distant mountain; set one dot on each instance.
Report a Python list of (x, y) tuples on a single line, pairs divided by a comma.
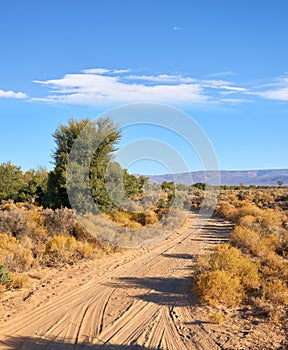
[(230, 178)]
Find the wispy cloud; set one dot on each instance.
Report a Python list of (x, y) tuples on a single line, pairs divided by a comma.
[(96, 71), (277, 89), (222, 74), (120, 71), (105, 86), (236, 100), (277, 94), (12, 95), (162, 78), (101, 86), (94, 88), (222, 85), (104, 70)]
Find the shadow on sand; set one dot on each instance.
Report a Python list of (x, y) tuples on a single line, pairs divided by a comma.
[(26, 343), (160, 291)]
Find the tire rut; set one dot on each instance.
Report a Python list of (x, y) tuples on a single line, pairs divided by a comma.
[(144, 302)]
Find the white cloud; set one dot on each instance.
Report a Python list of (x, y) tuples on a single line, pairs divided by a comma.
[(278, 94), (214, 83), (162, 78), (222, 74), (104, 71), (101, 89), (222, 85), (278, 89), (236, 100), (233, 88), (96, 71), (101, 86), (12, 94), (225, 93), (105, 86), (120, 71)]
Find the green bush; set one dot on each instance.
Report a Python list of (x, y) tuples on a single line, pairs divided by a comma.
[(5, 276)]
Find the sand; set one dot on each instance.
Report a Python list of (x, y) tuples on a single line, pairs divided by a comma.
[(135, 299)]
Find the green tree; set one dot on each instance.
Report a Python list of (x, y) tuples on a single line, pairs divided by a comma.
[(107, 135), (200, 186), (133, 186), (64, 137), (88, 159), (35, 186), (11, 181), (168, 189)]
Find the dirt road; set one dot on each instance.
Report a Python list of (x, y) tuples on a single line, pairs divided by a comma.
[(136, 300)]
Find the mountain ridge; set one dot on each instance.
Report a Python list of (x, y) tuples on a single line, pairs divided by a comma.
[(261, 177)]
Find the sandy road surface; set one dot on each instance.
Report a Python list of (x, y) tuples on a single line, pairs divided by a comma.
[(138, 300)]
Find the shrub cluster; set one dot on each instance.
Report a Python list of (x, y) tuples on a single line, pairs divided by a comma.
[(31, 236), (253, 267), (226, 276)]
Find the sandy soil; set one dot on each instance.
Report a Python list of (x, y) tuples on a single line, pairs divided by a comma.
[(137, 299)]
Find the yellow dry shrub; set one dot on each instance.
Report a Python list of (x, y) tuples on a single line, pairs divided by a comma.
[(217, 318), (268, 244), (276, 292), (252, 241), (270, 221), (219, 287), (225, 276), (135, 220), (226, 210), (62, 249), (267, 224), (151, 217), (274, 266), (245, 238), (126, 219), (16, 254), (8, 205), (263, 199), (231, 259), (18, 281), (246, 209), (35, 225), (250, 222)]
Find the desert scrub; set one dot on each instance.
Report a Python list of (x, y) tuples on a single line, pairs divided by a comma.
[(217, 318), (35, 228), (67, 250), (18, 280), (253, 268), (5, 276), (10, 281), (219, 287), (135, 219), (276, 292), (226, 276), (60, 221), (16, 254), (12, 219)]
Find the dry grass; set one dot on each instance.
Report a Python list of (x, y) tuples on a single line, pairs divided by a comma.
[(253, 268), (66, 250), (16, 254), (226, 276), (32, 237)]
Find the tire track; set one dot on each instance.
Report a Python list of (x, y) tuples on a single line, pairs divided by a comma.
[(146, 294)]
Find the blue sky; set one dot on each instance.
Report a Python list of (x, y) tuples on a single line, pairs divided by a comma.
[(222, 62)]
